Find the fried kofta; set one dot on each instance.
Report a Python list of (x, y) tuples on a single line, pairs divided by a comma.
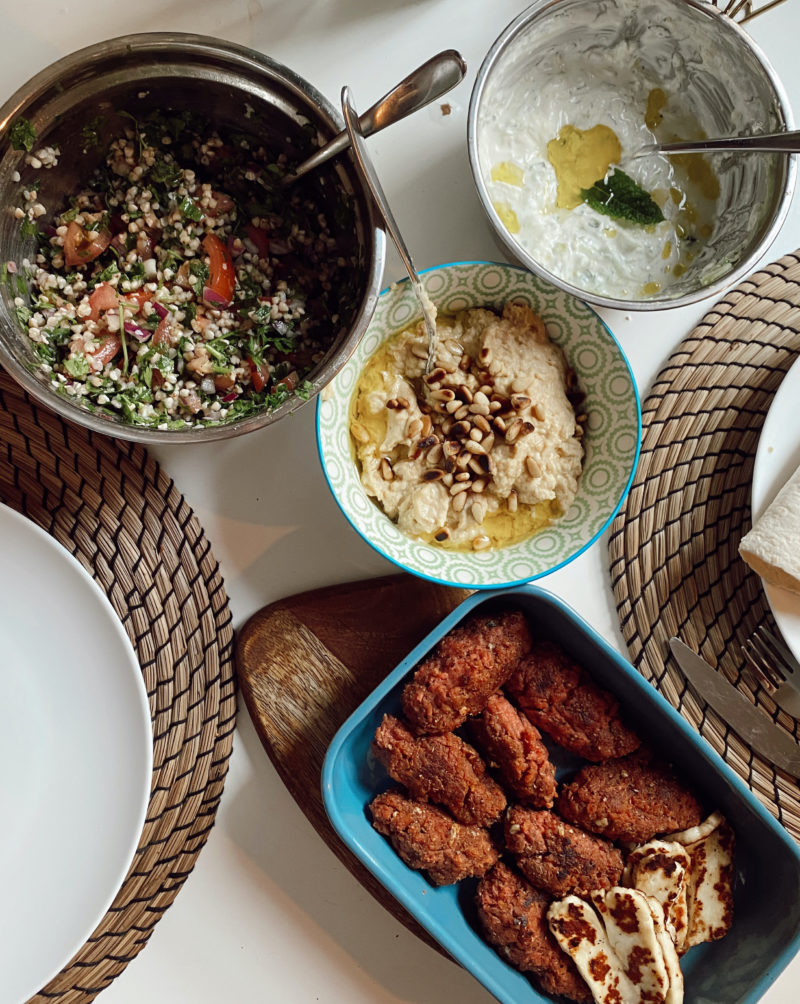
[(442, 769), (631, 799), (558, 858), (559, 697), (513, 916), (430, 840), (513, 744), (464, 670)]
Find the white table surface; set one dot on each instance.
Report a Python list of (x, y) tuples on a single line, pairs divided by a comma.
[(269, 913)]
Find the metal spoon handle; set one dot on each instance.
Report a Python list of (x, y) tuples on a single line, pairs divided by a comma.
[(364, 163), (779, 142), (430, 81), (370, 178)]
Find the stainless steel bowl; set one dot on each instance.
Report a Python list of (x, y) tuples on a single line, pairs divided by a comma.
[(727, 81), (234, 88)]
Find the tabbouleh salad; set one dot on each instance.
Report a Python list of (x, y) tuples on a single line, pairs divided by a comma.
[(183, 286)]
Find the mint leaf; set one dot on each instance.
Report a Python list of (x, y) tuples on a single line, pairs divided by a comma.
[(620, 197)]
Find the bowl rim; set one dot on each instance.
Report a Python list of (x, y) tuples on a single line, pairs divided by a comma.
[(161, 43), (485, 587), (507, 35), (633, 679)]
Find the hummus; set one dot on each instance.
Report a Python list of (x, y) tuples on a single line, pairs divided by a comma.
[(483, 451)]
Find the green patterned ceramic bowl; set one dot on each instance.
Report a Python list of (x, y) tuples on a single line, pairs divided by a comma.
[(611, 438)]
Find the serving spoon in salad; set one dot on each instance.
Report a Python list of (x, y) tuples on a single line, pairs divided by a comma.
[(370, 179), (430, 81)]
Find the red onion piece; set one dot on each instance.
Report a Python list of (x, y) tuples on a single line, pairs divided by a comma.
[(140, 333), (160, 310), (229, 397), (213, 298)]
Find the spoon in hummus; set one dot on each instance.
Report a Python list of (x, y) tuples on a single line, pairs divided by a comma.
[(428, 82), (370, 179)]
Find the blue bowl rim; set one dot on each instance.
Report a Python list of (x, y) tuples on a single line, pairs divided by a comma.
[(623, 494), (643, 690)]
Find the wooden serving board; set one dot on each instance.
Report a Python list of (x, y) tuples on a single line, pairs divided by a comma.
[(306, 662)]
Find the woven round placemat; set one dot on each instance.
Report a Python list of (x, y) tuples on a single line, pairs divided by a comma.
[(110, 505), (673, 548)]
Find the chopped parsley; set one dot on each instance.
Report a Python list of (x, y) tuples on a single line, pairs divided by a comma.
[(620, 197), (199, 270), (165, 172), (106, 274), (77, 367), (90, 133), (22, 135), (190, 209), (28, 228)]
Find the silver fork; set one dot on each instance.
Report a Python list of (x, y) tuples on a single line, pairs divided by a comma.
[(769, 658)]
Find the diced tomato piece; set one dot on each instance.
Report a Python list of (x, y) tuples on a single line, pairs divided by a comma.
[(109, 347), (224, 204), (290, 381), (259, 374), (259, 237), (138, 298), (103, 297), (82, 246), (222, 276), (161, 334)]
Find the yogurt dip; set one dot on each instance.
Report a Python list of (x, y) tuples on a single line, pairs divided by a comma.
[(483, 451), (569, 238), (637, 71)]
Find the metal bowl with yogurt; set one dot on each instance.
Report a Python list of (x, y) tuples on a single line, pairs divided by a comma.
[(233, 88), (676, 69)]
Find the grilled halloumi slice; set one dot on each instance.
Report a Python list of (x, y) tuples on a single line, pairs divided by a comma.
[(660, 869), (672, 962), (620, 945), (579, 931), (710, 888), (631, 930), (695, 833)]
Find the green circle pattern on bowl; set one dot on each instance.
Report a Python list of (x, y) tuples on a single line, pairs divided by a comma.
[(611, 440)]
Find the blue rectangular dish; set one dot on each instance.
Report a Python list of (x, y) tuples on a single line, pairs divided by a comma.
[(766, 930)]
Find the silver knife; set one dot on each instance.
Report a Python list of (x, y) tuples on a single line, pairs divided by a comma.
[(750, 722)]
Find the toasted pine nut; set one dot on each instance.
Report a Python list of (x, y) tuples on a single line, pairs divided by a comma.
[(474, 447), (358, 432)]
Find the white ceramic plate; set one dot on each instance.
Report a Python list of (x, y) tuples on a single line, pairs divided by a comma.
[(611, 439), (76, 753), (777, 458)]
